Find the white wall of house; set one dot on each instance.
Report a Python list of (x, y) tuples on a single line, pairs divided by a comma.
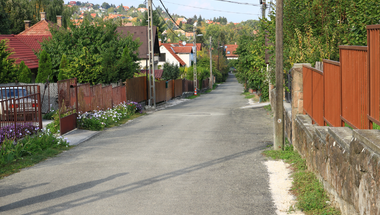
[(144, 63), (169, 58), (186, 57)]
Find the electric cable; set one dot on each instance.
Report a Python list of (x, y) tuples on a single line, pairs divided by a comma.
[(164, 20), (235, 2), (167, 11), (223, 11)]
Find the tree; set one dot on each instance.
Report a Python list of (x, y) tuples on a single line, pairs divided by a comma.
[(62, 68), (105, 5), (4, 19), (103, 46), (157, 21), (8, 68), (170, 72), (44, 67), (141, 6), (24, 73)]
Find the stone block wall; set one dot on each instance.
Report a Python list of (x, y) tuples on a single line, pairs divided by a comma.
[(346, 161)]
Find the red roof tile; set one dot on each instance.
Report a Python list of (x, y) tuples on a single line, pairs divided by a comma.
[(40, 28), (171, 51), (231, 49), (157, 72), (21, 52), (183, 49), (33, 41)]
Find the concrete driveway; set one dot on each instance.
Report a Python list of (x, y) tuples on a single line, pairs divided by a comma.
[(202, 156)]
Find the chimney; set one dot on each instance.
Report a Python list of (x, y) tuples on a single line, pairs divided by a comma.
[(59, 21), (27, 24), (42, 15)]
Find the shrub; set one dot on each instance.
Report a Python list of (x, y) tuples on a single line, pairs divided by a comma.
[(24, 73), (44, 67), (29, 145)]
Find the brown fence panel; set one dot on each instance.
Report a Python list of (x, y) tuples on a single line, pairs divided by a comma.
[(123, 94), (353, 61), (160, 91), (178, 88), (96, 97), (318, 97), (107, 97), (84, 98), (169, 91), (307, 90), (188, 86), (332, 93), (136, 89), (373, 41), (116, 96)]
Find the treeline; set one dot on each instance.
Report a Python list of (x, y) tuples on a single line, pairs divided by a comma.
[(313, 30), (13, 13)]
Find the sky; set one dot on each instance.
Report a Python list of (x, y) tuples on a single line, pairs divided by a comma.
[(232, 11)]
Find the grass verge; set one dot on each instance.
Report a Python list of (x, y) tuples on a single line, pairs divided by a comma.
[(311, 197), (28, 161)]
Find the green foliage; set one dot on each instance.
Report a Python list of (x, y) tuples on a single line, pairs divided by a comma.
[(4, 19), (62, 68), (251, 66), (29, 145), (8, 68), (50, 115), (90, 49), (171, 72), (44, 68), (53, 127), (157, 21), (24, 73)]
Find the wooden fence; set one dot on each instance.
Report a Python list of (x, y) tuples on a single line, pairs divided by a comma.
[(347, 91)]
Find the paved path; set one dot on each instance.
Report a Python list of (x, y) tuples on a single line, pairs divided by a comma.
[(199, 157)]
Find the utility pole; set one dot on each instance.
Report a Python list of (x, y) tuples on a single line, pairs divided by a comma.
[(152, 84), (263, 8), (195, 63), (211, 78), (279, 113)]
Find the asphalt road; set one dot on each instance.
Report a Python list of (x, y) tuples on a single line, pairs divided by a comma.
[(202, 156)]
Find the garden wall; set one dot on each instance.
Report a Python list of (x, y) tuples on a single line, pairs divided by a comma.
[(346, 161)]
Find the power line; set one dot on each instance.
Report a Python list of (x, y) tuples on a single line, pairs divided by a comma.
[(167, 11), (164, 20), (211, 9), (235, 2)]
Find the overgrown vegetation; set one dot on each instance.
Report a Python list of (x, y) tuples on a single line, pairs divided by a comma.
[(311, 197), (29, 151), (92, 52)]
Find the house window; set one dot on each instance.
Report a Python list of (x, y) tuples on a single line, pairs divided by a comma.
[(228, 52), (163, 57)]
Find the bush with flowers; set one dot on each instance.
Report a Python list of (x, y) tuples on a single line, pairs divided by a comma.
[(21, 130), (32, 143), (98, 120)]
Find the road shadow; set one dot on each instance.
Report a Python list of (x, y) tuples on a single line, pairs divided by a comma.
[(112, 192)]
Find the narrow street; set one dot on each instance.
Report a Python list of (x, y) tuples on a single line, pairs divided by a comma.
[(202, 156)]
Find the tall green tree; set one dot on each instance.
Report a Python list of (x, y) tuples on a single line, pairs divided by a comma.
[(103, 47), (170, 72), (4, 19), (62, 75), (8, 68), (44, 67), (24, 73), (157, 21)]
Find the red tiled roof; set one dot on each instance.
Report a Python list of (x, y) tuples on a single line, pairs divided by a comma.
[(171, 51), (183, 49), (40, 28), (157, 72), (21, 52), (33, 41), (231, 49), (199, 46)]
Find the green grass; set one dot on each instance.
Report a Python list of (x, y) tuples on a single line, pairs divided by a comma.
[(248, 95), (28, 161), (268, 107), (311, 197)]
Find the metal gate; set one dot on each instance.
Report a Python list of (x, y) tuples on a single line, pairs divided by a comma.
[(68, 104)]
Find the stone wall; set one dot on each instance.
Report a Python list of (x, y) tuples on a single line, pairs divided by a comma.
[(346, 161)]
